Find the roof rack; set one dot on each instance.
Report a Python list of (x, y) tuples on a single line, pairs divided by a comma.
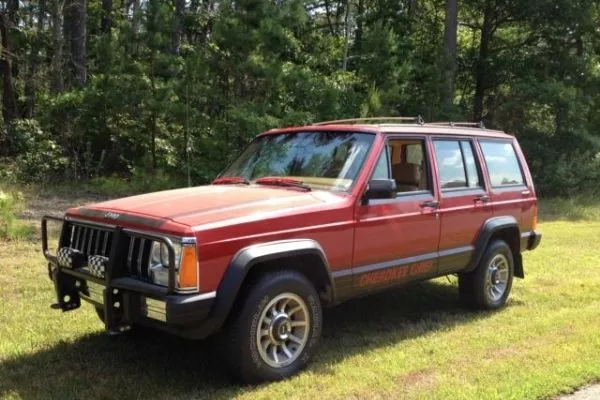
[(479, 124), (417, 119)]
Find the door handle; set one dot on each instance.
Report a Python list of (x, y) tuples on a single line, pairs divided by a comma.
[(430, 204), (484, 198), (525, 193)]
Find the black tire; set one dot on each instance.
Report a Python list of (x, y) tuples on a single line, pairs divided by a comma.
[(243, 354), (474, 287)]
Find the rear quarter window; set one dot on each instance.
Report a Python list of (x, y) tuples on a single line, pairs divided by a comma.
[(502, 163)]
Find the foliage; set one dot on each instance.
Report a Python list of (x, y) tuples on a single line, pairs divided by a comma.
[(10, 227), (171, 90)]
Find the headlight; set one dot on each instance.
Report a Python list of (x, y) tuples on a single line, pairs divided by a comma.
[(186, 266)]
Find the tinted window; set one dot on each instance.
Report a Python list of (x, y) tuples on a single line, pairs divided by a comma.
[(450, 164), (502, 163), (470, 163)]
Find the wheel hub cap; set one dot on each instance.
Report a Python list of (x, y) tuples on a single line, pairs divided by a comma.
[(497, 277), (280, 328), (282, 331)]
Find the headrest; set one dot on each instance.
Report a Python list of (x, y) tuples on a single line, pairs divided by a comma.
[(407, 174)]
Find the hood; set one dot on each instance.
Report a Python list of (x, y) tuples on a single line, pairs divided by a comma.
[(214, 203)]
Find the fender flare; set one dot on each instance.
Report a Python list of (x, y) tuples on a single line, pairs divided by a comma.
[(490, 227), (248, 257)]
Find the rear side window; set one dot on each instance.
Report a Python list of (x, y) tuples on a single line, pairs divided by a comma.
[(450, 164), (502, 163)]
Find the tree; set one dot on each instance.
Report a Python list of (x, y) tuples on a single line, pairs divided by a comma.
[(78, 17), (9, 100), (451, 25)]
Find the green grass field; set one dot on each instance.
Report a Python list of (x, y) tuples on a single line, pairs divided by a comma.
[(414, 342)]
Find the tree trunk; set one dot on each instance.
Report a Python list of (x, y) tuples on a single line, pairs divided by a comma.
[(106, 22), (78, 13), (34, 60), (450, 53), (481, 69), (9, 100), (346, 35), (13, 11), (135, 24), (56, 11), (360, 11), (177, 26)]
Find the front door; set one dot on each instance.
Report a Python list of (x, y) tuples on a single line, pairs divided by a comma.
[(464, 201), (396, 239)]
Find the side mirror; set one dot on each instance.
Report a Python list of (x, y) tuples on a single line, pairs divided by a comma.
[(379, 189)]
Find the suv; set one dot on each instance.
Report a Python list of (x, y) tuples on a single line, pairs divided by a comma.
[(306, 217)]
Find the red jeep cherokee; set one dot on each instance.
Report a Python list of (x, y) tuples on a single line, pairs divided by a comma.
[(306, 217)]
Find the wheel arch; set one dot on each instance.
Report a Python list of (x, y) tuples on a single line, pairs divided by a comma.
[(303, 255), (505, 228)]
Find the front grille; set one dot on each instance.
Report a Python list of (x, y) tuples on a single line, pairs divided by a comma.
[(138, 255), (92, 241)]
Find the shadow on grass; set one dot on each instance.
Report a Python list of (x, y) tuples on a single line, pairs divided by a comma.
[(156, 365)]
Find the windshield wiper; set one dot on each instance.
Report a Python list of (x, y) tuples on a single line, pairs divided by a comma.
[(281, 181), (223, 180)]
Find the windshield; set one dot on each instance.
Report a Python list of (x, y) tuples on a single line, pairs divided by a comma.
[(322, 160)]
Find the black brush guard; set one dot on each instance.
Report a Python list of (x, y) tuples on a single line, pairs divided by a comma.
[(120, 307)]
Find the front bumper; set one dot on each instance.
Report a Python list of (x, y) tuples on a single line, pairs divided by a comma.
[(127, 301)]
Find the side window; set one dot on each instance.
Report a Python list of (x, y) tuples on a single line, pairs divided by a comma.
[(382, 169), (450, 164), (473, 180), (502, 163), (408, 165)]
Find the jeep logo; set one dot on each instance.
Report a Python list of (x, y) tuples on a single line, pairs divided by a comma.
[(111, 215)]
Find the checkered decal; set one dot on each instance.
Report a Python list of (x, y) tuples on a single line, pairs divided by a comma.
[(66, 256), (97, 265)]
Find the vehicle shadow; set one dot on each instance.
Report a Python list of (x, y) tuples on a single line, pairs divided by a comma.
[(155, 365)]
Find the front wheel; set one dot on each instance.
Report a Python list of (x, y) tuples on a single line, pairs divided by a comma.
[(488, 286), (275, 331)]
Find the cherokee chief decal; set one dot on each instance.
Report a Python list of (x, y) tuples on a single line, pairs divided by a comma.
[(396, 273)]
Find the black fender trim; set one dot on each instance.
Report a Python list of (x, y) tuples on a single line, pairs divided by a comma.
[(490, 227), (240, 266)]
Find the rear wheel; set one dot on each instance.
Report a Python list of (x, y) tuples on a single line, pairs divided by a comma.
[(488, 286), (275, 331)]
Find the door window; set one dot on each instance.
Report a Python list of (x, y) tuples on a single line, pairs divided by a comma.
[(502, 163), (456, 164), (404, 161)]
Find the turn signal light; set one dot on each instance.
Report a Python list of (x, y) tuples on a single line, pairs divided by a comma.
[(188, 270)]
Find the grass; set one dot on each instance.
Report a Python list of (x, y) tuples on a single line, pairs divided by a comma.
[(415, 342)]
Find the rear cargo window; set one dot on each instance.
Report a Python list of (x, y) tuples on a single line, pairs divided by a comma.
[(502, 163)]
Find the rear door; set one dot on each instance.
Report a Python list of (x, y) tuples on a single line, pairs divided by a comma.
[(396, 239), (464, 201)]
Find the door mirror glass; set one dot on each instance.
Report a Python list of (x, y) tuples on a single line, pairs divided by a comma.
[(380, 189)]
